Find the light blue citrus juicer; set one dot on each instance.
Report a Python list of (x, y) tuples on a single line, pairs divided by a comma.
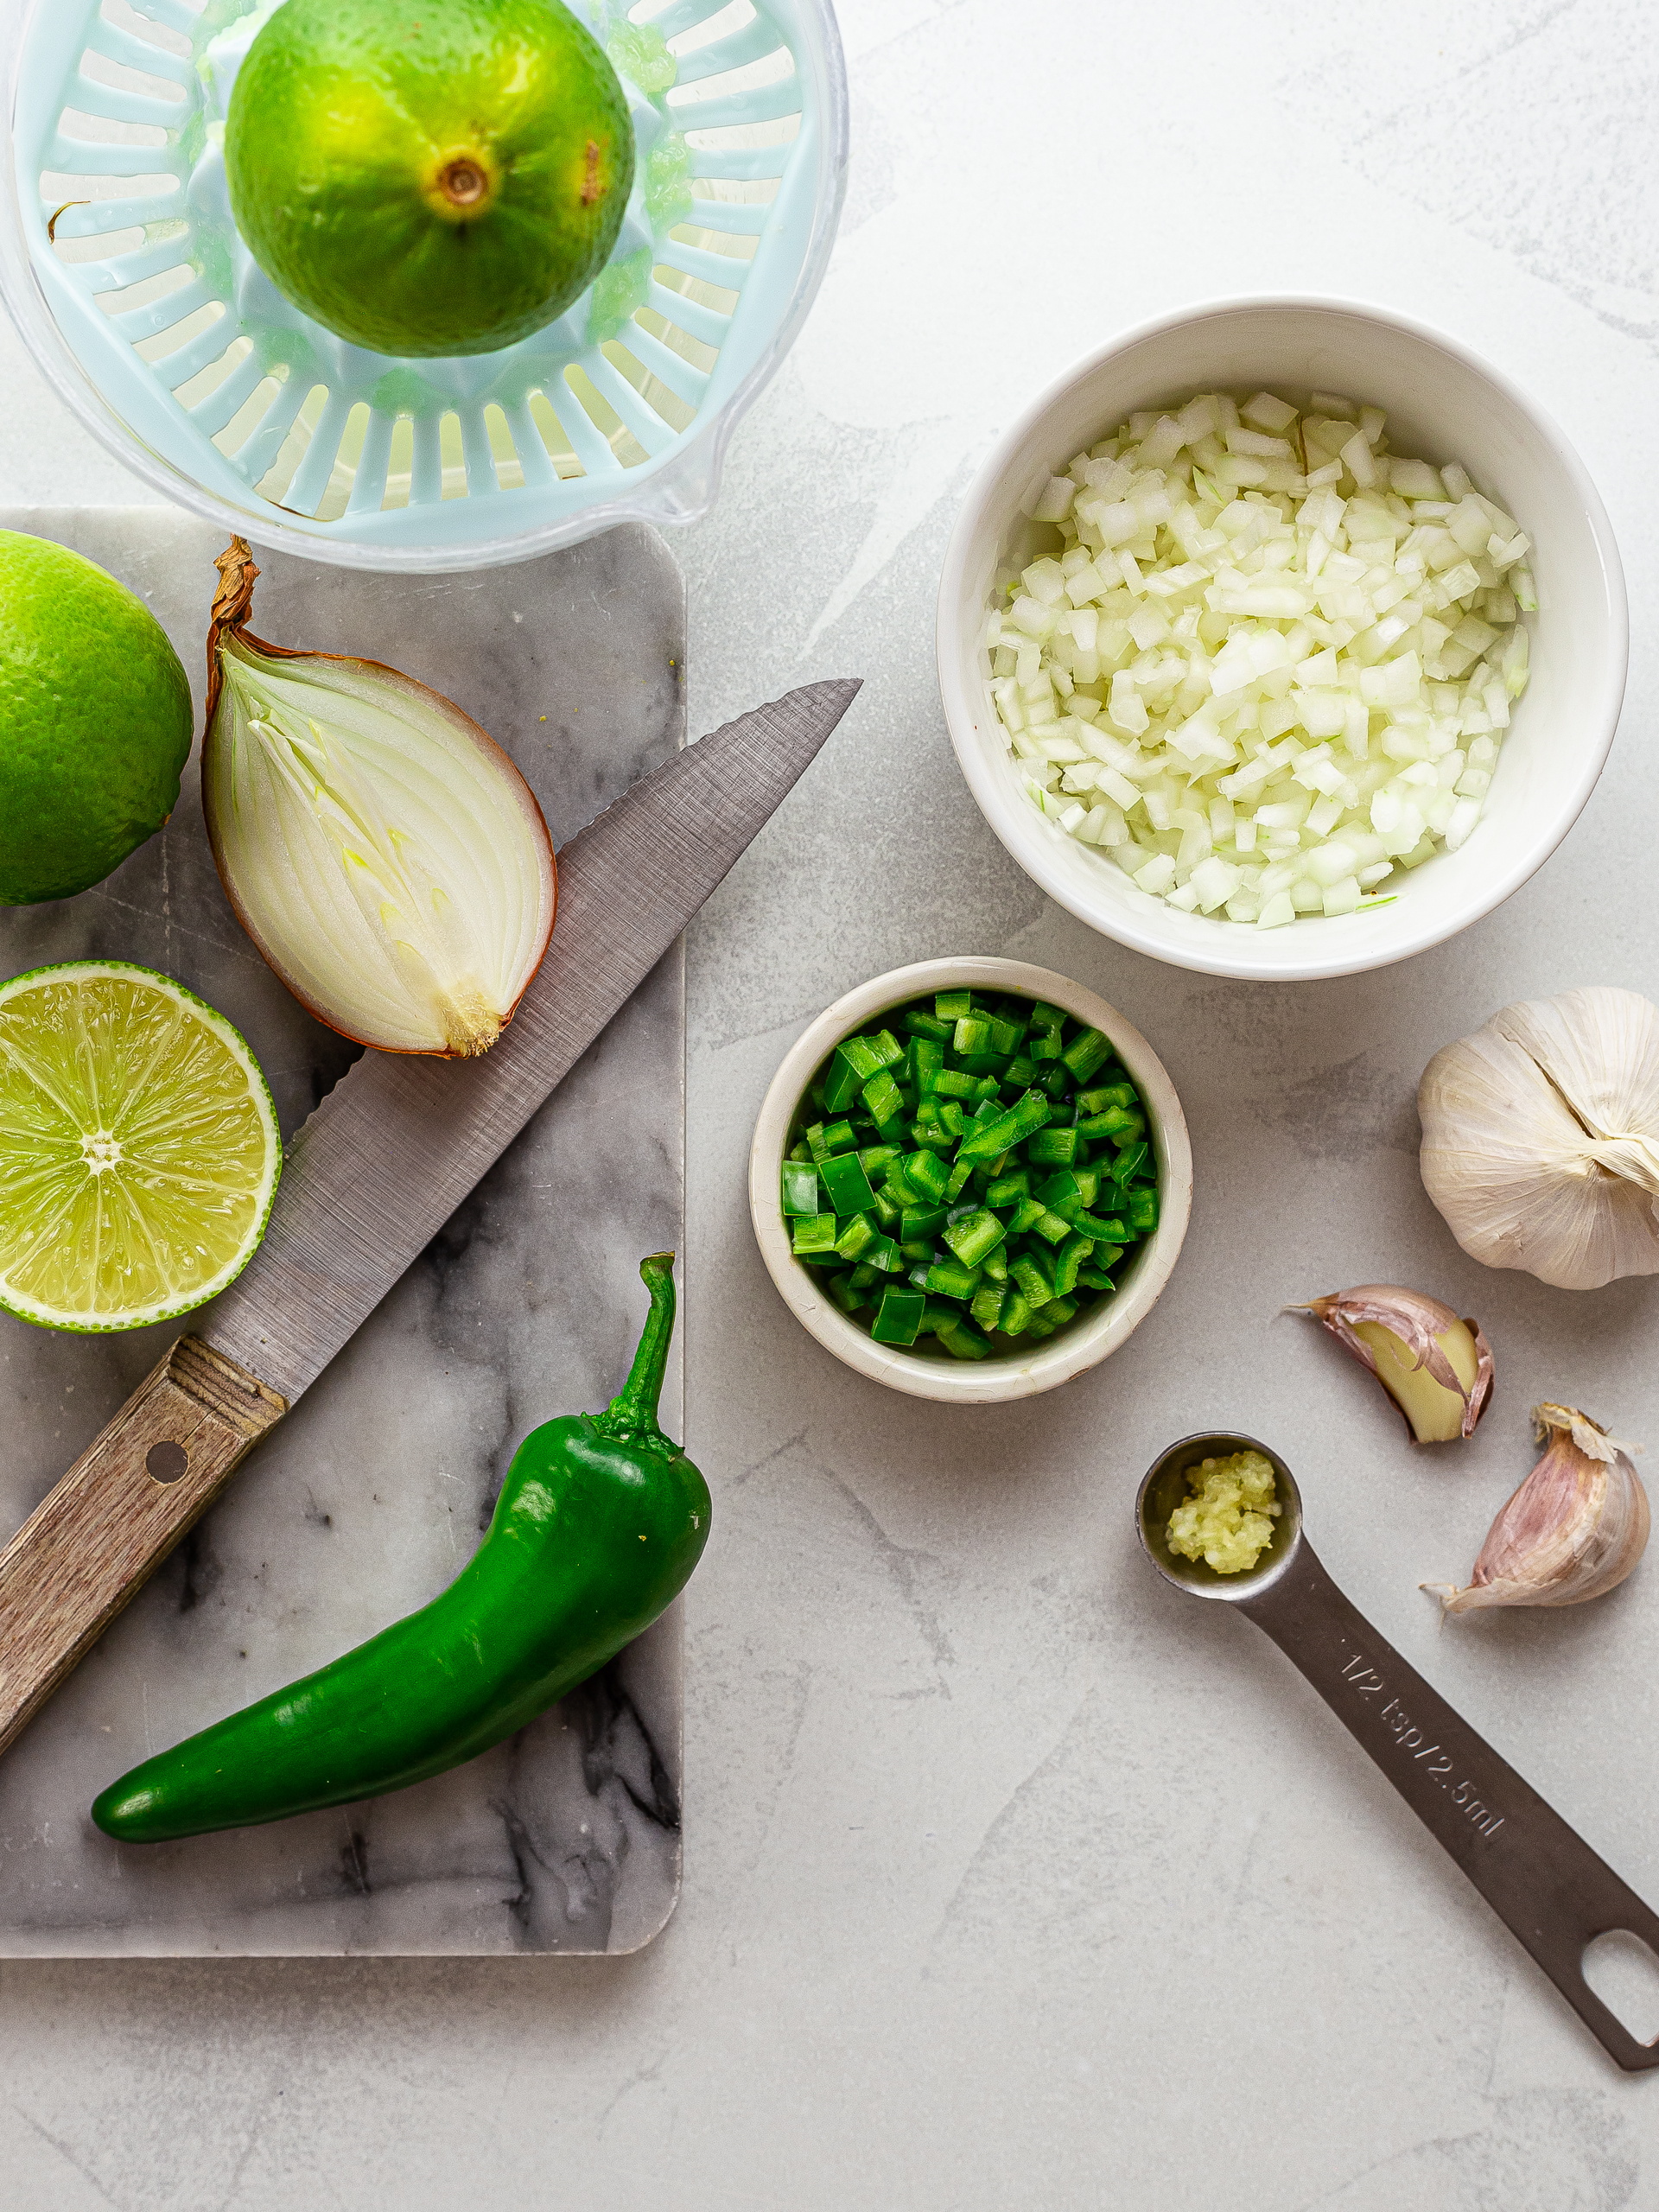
[(123, 271)]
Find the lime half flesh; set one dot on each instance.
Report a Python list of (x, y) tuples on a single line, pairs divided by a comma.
[(139, 1150)]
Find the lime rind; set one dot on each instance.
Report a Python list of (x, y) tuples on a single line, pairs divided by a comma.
[(175, 1189)]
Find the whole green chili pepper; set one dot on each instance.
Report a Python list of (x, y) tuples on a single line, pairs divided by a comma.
[(598, 1524)]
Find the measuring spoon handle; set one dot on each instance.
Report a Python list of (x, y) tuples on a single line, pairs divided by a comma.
[(1538, 1875)]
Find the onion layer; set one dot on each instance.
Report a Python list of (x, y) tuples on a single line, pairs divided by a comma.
[(383, 853)]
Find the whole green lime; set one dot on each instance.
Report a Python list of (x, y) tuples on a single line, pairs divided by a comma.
[(429, 176), (95, 721)]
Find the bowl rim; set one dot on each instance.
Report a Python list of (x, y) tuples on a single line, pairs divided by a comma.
[(1060, 1358), (1003, 808)]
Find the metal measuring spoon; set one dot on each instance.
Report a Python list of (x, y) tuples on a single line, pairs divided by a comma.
[(1541, 1879)]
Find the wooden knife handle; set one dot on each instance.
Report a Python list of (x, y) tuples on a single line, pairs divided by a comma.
[(98, 1537)]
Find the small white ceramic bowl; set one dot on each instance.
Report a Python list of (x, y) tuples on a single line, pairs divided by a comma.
[(1058, 1358), (1444, 404)]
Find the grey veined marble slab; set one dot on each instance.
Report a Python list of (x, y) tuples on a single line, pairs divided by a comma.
[(366, 1500)]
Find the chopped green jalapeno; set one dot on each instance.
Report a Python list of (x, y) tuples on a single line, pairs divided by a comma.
[(926, 1060), (800, 1188), (966, 1176), (1135, 1159), (900, 1188), (1100, 1232), (1109, 1094), (926, 1172), (1060, 1187), (882, 1097), (845, 1184), (843, 1083), (1055, 1316), (1069, 1257), (988, 1139), (856, 1236), (898, 1317), (947, 1278), (971, 1238), (1085, 1053), (1032, 1279)]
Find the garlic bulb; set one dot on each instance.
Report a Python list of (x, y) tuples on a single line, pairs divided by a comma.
[(1575, 1528), (1437, 1369), (382, 852), (1541, 1137)]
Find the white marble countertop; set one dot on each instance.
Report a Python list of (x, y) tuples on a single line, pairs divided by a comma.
[(1010, 1880)]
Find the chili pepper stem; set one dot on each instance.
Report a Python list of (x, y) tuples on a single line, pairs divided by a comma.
[(632, 1415)]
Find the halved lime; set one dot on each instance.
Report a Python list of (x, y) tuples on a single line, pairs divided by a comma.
[(139, 1147)]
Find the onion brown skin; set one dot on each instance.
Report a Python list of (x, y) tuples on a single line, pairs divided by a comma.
[(226, 626)]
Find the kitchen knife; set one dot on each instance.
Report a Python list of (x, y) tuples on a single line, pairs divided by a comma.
[(370, 1180)]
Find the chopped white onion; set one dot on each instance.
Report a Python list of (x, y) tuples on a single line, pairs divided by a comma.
[(1272, 662)]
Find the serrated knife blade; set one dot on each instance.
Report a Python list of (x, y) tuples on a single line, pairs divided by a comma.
[(372, 1178)]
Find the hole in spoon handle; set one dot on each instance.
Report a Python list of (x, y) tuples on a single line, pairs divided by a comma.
[(1539, 1875)]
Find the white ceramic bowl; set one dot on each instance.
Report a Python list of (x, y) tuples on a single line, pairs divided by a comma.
[(986, 1382), (1444, 404)]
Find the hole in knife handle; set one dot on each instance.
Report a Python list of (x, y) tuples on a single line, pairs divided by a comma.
[(166, 1462), (1624, 1973)]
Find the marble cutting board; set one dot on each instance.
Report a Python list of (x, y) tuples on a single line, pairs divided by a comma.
[(364, 1501)]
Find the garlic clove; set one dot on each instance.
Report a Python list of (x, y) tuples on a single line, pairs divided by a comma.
[(1572, 1531), (1436, 1368)]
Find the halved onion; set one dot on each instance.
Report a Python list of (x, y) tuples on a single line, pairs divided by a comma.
[(382, 852)]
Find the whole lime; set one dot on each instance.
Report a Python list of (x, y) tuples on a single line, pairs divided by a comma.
[(95, 721), (429, 176)]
